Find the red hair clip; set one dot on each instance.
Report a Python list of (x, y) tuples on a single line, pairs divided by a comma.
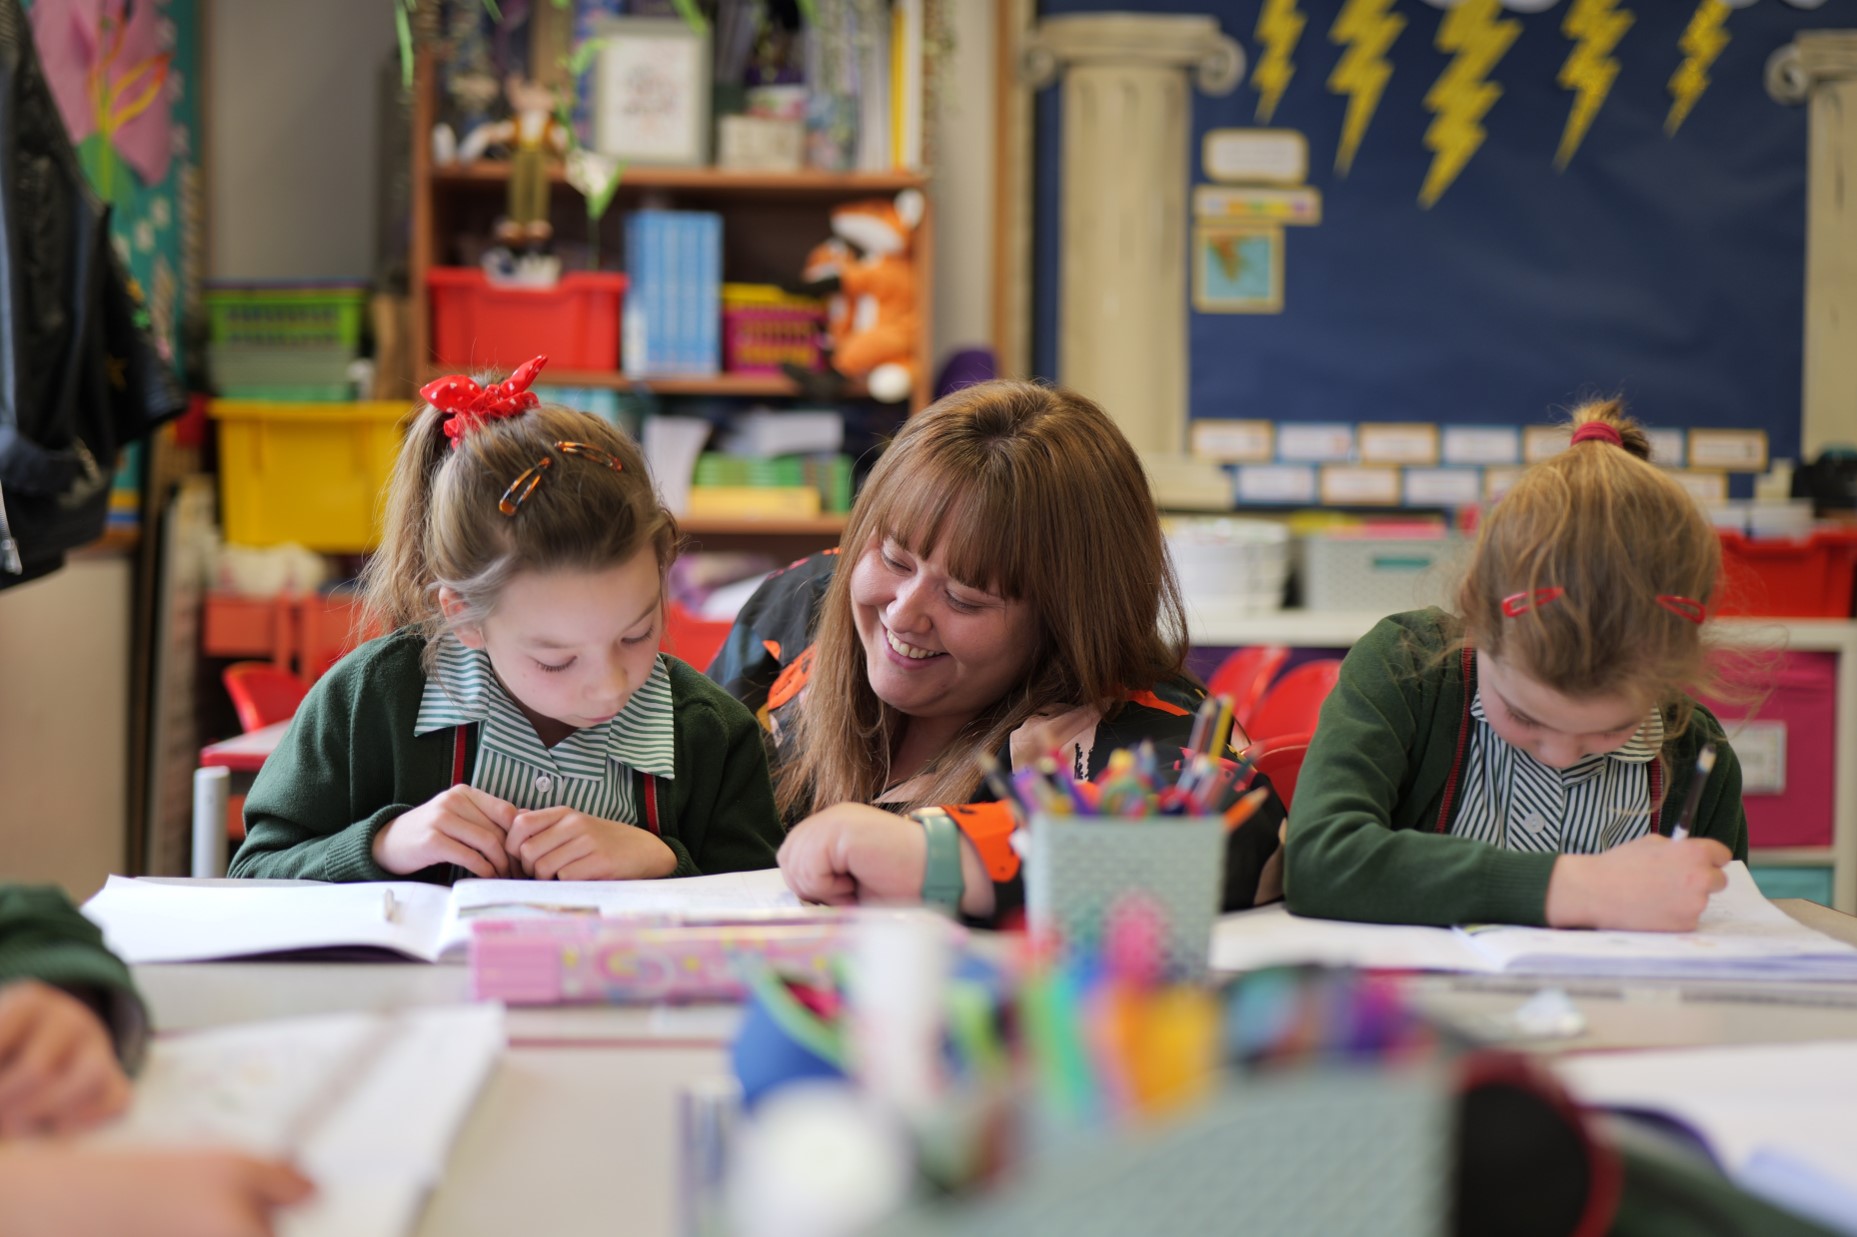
[(1683, 607), (1598, 431), (471, 404), (1517, 604)]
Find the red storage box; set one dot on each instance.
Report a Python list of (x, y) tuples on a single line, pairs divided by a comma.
[(1788, 751), (480, 325), (1796, 577)]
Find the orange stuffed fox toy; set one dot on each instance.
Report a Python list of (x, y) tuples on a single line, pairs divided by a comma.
[(873, 320)]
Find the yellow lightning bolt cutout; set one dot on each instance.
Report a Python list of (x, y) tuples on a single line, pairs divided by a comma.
[(1590, 67), (1702, 42), (1279, 27), (1368, 30), (1460, 98)]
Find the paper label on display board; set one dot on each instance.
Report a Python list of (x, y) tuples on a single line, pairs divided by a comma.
[(1761, 749), (1257, 204), (1233, 442), (1733, 450), (1399, 443), (1544, 442), (1255, 156), (1497, 481), (1443, 487), (1345, 485), (1667, 447), (1315, 444), (1283, 484), (1482, 444), (1704, 487)]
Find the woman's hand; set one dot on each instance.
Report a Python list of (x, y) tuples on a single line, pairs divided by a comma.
[(460, 825), (851, 853), (559, 843), (58, 1068), (63, 1191), (1652, 884)]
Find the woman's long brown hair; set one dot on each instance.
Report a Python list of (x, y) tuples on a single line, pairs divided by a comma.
[(1029, 492)]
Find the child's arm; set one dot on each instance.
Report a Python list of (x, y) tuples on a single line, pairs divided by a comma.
[(71, 1024), (726, 821), (1344, 859)]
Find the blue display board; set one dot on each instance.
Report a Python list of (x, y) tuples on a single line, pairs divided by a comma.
[(1663, 261)]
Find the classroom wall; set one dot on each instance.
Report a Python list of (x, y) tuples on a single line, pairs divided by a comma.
[(963, 184), (291, 135), (64, 727)]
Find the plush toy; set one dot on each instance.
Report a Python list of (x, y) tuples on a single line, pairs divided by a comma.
[(533, 135), (873, 335)]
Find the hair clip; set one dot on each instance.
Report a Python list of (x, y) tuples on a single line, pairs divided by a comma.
[(588, 451), (530, 477), (1517, 604), (471, 404), (1598, 431), (1683, 607)]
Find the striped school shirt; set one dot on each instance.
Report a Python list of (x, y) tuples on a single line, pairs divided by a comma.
[(591, 771), (1512, 800)]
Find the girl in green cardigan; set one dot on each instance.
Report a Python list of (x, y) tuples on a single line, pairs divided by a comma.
[(519, 721), (1523, 761)]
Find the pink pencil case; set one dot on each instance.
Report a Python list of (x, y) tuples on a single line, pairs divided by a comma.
[(572, 961)]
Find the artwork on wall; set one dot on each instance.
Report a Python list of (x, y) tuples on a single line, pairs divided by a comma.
[(1237, 270)]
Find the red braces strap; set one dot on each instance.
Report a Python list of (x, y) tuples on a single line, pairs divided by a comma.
[(1517, 604)]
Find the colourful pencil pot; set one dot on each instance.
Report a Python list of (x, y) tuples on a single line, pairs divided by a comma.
[(1080, 870)]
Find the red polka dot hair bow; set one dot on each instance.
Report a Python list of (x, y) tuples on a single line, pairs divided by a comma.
[(471, 404)]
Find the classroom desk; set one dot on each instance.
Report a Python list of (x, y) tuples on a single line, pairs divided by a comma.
[(575, 1132)]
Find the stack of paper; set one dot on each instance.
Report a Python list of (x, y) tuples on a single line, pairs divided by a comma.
[(367, 1105), (187, 921), (1780, 1118), (1741, 936)]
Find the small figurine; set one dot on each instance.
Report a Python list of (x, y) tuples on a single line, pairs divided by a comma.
[(533, 135)]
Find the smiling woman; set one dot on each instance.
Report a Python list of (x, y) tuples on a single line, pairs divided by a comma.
[(1002, 589)]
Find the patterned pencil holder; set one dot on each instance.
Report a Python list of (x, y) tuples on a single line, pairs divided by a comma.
[(1079, 869)]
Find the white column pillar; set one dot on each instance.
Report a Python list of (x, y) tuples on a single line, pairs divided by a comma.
[(1820, 70), (1128, 124)]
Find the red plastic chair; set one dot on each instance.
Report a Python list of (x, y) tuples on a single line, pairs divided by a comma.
[(695, 640), (1292, 706), (262, 693), (1281, 762), (1245, 677)]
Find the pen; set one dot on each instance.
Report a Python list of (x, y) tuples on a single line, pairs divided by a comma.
[(1705, 764), (999, 787)]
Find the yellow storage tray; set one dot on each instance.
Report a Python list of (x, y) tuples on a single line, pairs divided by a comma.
[(312, 473)]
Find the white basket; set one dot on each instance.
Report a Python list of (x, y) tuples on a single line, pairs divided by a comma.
[(1229, 566), (1080, 867), (1384, 575)]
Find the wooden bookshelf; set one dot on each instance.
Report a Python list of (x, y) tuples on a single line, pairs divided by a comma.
[(495, 172), (745, 386)]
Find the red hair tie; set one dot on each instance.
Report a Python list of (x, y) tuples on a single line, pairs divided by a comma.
[(471, 404), (1517, 604), (1598, 431), (1683, 607)]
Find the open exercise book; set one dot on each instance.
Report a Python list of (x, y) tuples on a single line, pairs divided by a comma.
[(152, 920), (1741, 936), (1780, 1119), (366, 1104)]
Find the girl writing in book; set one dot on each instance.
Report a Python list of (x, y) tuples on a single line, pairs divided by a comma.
[(518, 720), (1002, 588), (1522, 760)]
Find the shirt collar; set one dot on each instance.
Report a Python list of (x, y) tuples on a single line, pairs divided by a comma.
[(463, 689), (1642, 747)]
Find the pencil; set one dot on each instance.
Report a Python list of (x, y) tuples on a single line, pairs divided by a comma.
[(1245, 808), (1202, 725), (1705, 765)]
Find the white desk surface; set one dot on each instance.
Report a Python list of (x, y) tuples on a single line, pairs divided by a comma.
[(576, 1130)]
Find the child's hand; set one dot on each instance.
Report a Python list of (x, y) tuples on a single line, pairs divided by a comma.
[(851, 852), (58, 1068), (61, 1191), (1653, 884), (559, 843), (460, 825)]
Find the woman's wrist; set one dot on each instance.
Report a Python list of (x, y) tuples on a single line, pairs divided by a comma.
[(944, 881)]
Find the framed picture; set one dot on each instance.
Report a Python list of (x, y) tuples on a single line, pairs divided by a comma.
[(1237, 270), (651, 92)]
